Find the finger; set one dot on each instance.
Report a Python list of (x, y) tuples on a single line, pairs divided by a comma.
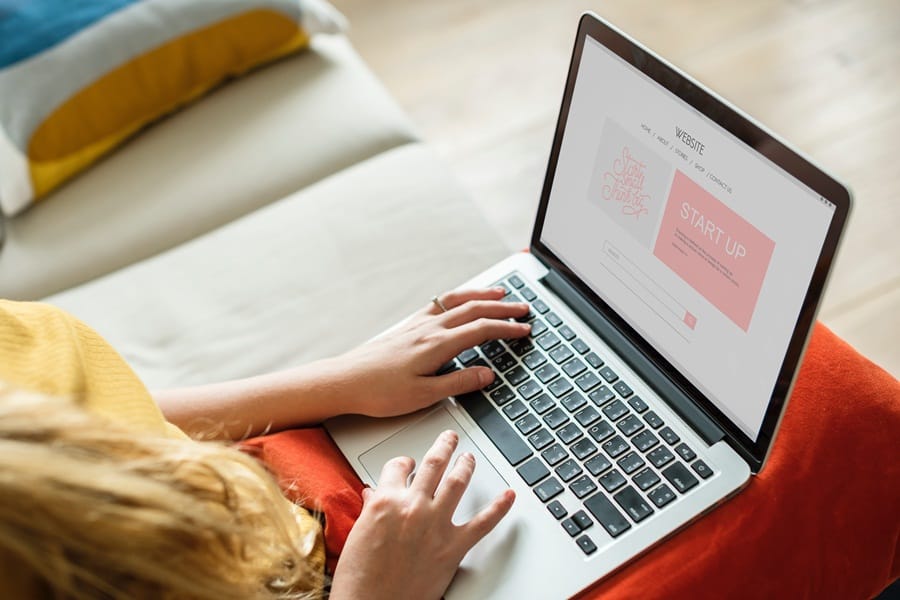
[(461, 382), (456, 483), (454, 298), (477, 309), (479, 331), (435, 463), (396, 471), (485, 521)]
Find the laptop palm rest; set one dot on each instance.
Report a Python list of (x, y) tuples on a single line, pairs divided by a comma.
[(415, 439)]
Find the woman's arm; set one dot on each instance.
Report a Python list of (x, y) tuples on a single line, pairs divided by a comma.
[(391, 375)]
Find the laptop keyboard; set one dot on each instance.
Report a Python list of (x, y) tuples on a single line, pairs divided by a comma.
[(566, 420)]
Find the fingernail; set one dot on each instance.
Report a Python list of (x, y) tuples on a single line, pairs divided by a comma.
[(485, 376), (469, 456), (449, 435)]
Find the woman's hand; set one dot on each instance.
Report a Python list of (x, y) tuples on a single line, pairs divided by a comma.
[(404, 544), (394, 374)]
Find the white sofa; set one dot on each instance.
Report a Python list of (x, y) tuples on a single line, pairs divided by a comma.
[(288, 216)]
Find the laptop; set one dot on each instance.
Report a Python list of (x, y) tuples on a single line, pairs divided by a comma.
[(677, 259)]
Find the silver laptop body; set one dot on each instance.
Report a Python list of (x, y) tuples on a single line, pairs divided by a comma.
[(678, 256)]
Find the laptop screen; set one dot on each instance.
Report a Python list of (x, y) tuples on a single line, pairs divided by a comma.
[(697, 241)]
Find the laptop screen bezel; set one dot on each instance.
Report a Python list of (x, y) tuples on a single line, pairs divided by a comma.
[(756, 138)]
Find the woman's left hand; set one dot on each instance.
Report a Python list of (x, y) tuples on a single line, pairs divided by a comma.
[(395, 373)]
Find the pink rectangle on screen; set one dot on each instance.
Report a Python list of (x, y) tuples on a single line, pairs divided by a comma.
[(690, 320), (715, 250)]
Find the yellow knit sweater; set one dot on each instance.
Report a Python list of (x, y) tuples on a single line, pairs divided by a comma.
[(45, 350)]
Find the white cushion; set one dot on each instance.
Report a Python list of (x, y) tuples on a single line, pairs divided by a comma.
[(248, 144), (305, 277)]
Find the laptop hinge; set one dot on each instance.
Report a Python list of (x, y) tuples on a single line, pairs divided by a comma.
[(643, 366)]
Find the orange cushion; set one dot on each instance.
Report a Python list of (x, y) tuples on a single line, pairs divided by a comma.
[(821, 520)]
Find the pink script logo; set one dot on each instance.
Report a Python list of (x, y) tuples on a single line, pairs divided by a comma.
[(625, 184)]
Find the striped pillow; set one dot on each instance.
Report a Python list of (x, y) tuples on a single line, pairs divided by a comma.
[(78, 77)]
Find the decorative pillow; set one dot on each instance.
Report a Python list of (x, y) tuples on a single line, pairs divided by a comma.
[(78, 77)]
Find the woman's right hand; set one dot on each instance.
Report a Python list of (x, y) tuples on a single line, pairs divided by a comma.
[(404, 544)]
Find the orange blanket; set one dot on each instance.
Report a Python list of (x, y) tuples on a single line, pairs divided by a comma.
[(821, 520)]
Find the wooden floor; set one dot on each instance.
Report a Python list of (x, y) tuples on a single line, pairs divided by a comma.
[(483, 79)]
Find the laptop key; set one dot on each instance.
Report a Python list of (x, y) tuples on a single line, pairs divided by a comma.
[(670, 436), (540, 439), (534, 360), (601, 431), (623, 389), (514, 410), (646, 479), (467, 356), (630, 425), (612, 481), (702, 469), (569, 433), (573, 401), (553, 319), (502, 395), (495, 427), (637, 404), (607, 515), (546, 373), (527, 424), (548, 490), (504, 362), (560, 387), (588, 381), (556, 418), (517, 375), (529, 389), (661, 496), (653, 420), (583, 448), (540, 306), (685, 452), (548, 341), (594, 360), (568, 470), (567, 333), (645, 440), (659, 457), (582, 486), (597, 465), (580, 346), (557, 509), (521, 346), (615, 447), (601, 395), (634, 504), (533, 471), (511, 297), (447, 367), (608, 374), (537, 328), (582, 519), (586, 544), (630, 463), (561, 354), (571, 527), (679, 476), (587, 417), (515, 281), (528, 294), (542, 404), (574, 368), (615, 410), (554, 454), (492, 349)]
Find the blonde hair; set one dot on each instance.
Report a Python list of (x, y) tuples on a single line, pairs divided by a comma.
[(96, 510)]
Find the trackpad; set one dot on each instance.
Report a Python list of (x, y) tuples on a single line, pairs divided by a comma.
[(415, 439)]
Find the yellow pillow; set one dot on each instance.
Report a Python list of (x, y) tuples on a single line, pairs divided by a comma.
[(78, 78)]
